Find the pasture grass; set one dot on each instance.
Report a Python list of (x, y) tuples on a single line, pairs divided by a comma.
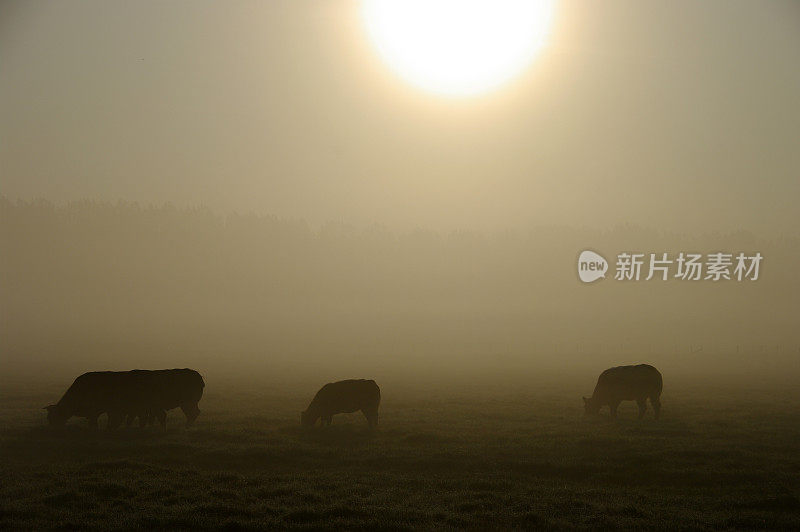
[(500, 457)]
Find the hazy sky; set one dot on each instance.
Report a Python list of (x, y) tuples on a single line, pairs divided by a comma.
[(682, 115)]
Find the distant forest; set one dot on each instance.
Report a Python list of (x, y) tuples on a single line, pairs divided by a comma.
[(124, 285)]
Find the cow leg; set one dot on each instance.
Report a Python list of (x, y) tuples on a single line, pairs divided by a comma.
[(656, 402), (114, 420), (642, 406), (191, 411), (372, 417), (328, 420), (162, 418)]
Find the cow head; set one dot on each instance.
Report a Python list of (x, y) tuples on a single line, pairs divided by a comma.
[(55, 417), (590, 406)]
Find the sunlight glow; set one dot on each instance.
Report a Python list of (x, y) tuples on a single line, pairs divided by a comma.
[(457, 47)]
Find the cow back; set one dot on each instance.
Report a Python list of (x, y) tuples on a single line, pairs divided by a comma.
[(105, 391), (346, 396), (628, 383)]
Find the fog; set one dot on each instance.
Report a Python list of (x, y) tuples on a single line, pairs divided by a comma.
[(247, 188), (92, 285), (679, 116)]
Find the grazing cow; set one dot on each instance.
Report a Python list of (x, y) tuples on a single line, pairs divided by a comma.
[(129, 393), (626, 383), (343, 397)]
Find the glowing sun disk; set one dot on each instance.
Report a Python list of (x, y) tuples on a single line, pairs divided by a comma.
[(457, 47)]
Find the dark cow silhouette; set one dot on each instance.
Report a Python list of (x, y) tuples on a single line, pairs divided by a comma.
[(343, 397), (626, 383), (135, 393)]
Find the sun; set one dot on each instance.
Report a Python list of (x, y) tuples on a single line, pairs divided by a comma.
[(457, 47)]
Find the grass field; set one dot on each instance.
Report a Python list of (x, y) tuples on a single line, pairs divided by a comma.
[(493, 456)]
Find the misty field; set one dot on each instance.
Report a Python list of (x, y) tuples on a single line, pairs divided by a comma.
[(488, 455)]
